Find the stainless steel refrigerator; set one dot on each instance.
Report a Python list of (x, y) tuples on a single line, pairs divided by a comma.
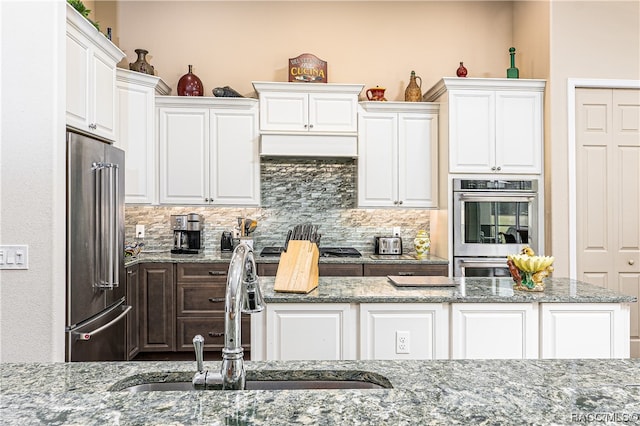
[(96, 308)]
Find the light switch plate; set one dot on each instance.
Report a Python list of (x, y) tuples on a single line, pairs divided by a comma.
[(14, 257)]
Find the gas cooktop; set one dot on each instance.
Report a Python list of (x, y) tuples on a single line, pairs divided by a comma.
[(324, 252)]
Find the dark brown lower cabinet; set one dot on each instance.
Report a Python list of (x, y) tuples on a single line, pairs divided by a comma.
[(324, 269), (384, 269), (133, 318), (157, 307)]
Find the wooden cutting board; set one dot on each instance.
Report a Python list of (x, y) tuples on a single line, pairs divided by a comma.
[(421, 281)]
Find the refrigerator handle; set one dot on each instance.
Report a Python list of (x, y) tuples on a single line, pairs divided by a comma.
[(106, 216), (88, 335)]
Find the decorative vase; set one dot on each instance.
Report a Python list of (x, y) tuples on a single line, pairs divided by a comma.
[(461, 71), (422, 243), (513, 72), (141, 64), (413, 92), (190, 85)]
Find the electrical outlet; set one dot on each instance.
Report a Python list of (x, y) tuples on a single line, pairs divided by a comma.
[(139, 231), (14, 257), (396, 231), (402, 342)]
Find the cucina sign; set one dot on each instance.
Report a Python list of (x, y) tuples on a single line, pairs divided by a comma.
[(307, 68)]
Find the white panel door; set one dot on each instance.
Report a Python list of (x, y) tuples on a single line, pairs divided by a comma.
[(378, 160), (519, 132), (494, 330), (417, 160), (102, 94), (77, 72), (590, 330), (425, 326), (184, 155), (310, 331), (608, 192), (333, 112), (235, 161), (284, 111), (471, 131)]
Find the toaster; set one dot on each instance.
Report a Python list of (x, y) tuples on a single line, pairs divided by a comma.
[(388, 245)]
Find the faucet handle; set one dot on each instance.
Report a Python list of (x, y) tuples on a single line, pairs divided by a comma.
[(252, 300), (198, 346)]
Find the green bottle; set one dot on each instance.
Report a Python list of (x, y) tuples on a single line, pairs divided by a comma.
[(513, 71)]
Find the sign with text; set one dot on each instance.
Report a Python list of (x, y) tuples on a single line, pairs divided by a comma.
[(307, 68)]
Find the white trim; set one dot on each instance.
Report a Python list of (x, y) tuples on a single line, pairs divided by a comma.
[(572, 84)]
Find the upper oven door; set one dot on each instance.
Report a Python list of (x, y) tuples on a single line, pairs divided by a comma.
[(494, 223)]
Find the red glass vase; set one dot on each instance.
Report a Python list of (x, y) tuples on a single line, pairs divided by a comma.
[(461, 71), (190, 85)]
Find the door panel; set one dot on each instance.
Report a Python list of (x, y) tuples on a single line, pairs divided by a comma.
[(608, 193)]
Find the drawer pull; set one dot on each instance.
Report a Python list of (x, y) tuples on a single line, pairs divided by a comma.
[(405, 274), (217, 273), (216, 299), (212, 334)]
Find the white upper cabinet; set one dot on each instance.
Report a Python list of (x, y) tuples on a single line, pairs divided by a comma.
[(493, 125), (208, 150), (91, 78), (308, 119), (397, 154), (135, 106)]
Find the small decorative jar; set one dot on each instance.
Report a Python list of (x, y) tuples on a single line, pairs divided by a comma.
[(190, 85), (141, 64), (413, 92), (461, 71), (422, 243)]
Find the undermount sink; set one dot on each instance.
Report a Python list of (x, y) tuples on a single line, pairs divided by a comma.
[(259, 380)]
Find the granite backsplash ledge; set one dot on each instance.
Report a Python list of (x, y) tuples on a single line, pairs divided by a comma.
[(293, 191)]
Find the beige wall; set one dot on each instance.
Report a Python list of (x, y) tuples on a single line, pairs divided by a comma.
[(374, 43), (599, 40)]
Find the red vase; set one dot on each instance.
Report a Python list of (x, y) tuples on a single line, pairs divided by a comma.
[(190, 85), (462, 71)]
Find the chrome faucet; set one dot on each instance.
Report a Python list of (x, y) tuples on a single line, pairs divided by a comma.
[(242, 295)]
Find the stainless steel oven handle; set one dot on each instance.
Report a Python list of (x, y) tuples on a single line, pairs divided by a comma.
[(87, 336), (496, 197), (483, 264)]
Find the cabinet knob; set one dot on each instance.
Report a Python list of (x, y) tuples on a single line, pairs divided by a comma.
[(305, 126), (631, 262), (217, 273), (400, 202), (311, 126), (212, 334), (498, 168), (216, 299), (93, 126), (405, 274), (493, 169)]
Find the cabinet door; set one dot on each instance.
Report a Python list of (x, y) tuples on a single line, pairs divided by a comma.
[(404, 331), (417, 160), (184, 155), (133, 318), (77, 71), (494, 331), (310, 331), (284, 112), (585, 330), (333, 112), (471, 131), (519, 132), (234, 157), (378, 160), (102, 94), (157, 307), (136, 137)]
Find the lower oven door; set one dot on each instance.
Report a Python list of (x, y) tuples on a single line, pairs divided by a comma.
[(481, 267)]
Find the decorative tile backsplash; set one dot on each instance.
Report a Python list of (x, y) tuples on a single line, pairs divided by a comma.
[(293, 191)]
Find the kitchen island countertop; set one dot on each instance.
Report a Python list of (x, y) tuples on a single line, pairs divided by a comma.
[(446, 392), (466, 290)]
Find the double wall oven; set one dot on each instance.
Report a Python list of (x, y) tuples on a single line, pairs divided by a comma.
[(492, 219)]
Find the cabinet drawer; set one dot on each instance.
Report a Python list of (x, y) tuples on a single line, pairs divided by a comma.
[(380, 270), (200, 298), (324, 269), (202, 272), (212, 329)]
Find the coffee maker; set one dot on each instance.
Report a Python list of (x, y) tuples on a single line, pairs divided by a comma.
[(187, 231)]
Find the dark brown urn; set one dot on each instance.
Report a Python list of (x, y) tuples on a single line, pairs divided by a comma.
[(190, 85)]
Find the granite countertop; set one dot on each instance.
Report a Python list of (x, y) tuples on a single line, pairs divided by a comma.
[(466, 290), (219, 257), (443, 392)]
